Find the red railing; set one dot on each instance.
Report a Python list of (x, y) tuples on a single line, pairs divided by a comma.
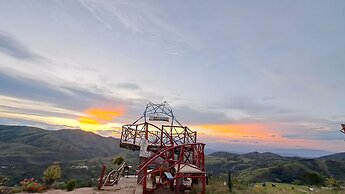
[(173, 159), (158, 138)]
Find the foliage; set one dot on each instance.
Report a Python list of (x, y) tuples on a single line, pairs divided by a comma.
[(332, 182), (118, 160), (31, 186), (312, 178), (3, 180), (71, 184), (52, 173), (217, 186), (16, 189), (239, 183), (297, 182), (230, 181), (59, 185)]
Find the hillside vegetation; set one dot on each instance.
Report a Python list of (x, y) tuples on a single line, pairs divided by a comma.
[(26, 152), (261, 167), (30, 145)]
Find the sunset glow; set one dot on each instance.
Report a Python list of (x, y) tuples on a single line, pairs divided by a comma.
[(249, 74), (244, 130), (95, 118)]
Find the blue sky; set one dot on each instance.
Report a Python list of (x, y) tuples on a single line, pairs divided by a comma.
[(274, 64)]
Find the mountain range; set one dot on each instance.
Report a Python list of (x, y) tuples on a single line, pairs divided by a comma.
[(27, 151), (22, 144)]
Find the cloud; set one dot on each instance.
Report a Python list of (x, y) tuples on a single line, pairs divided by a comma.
[(190, 115), (12, 47), (73, 98), (127, 85), (72, 102), (146, 22), (251, 106), (28, 122), (110, 133)]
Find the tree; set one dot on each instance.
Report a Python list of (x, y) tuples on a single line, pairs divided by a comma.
[(52, 173), (229, 181), (118, 160), (312, 178)]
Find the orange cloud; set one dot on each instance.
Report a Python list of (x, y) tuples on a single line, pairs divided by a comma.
[(251, 131), (261, 134), (96, 117), (103, 115)]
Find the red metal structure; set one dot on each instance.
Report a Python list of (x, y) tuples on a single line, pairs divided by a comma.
[(112, 178), (169, 152)]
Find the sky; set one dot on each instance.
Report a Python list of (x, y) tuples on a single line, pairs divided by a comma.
[(247, 75)]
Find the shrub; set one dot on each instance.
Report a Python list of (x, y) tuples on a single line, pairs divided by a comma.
[(297, 182), (312, 178), (31, 186), (16, 189), (3, 180), (332, 182), (52, 173), (239, 183), (118, 160), (71, 185), (59, 185)]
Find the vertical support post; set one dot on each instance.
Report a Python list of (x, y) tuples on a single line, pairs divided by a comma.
[(171, 136), (135, 134), (122, 133), (146, 131), (100, 181), (203, 180), (144, 182), (162, 137), (178, 185), (143, 174)]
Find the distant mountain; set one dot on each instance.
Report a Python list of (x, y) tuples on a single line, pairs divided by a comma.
[(303, 153), (225, 154), (27, 151), (209, 151), (260, 167), (337, 156), (265, 155), (30, 145)]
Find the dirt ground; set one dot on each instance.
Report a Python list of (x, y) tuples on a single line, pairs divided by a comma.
[(125, 186)]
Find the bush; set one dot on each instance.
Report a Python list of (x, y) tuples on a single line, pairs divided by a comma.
[(332, 182), (311, 178), (31, 186), (52, 173), (3, 180), (118, 160), (16, 189), (70, 186), (239, 183), (296, 182), (59, 185)]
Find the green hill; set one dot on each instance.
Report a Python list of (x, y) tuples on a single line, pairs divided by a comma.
[(261, 167), (21, 144), (26, 151)]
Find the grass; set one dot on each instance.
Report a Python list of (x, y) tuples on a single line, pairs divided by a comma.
[(218, 187)]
